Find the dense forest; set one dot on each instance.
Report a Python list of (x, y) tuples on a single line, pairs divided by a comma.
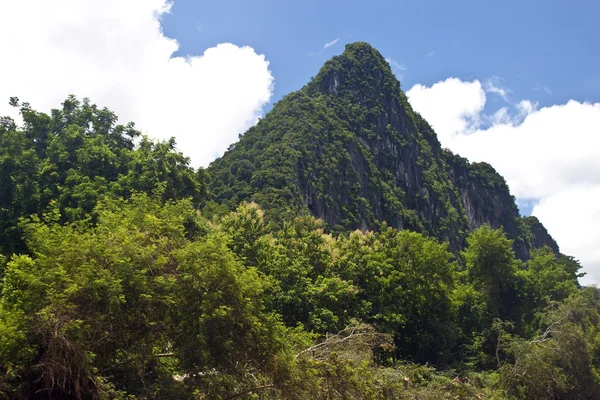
[(336, 251)]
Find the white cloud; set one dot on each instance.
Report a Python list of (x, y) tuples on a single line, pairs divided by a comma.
[(577, 228), (115, 53), (548, 154), (494, 85), (329, 44), (526, 107), (452, 107), (325, 46)]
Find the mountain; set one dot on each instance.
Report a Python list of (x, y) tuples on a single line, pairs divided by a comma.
[(348, 148)]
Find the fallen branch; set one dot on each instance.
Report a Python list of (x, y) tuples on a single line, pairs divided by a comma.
[(356, 335)]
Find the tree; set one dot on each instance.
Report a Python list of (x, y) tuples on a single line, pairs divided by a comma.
[(149, 292), (491, 266), (76, 156), (562, 361), (489, 292), (405, 283)]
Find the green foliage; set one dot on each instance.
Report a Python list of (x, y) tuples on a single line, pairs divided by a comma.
[(490, 292), (550, 278), (535, 234), (562, 361), (405, 281), (400, 281), (298, 259), (76, 156), (486, 174), (334, 252), (490, 263), (149, 292)]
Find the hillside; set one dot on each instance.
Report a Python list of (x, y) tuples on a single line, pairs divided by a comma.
[(126, 274), (349, 149)]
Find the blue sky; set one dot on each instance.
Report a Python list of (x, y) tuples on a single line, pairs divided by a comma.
[(548, 51)]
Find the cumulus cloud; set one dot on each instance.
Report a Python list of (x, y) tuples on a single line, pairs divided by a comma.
[(575, 227), (115, 53), (548, 154), (452, 107)]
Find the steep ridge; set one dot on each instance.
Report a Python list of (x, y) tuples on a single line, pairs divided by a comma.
[(486, 199), (349, 149)]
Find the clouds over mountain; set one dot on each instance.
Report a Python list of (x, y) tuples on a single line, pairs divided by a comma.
[(115, 53), (549, 155)]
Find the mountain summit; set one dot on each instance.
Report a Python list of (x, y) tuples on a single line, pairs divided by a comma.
[(348, 148)]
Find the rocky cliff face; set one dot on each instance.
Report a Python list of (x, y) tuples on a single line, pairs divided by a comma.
[(349, 149), (536, 235), (486, 199)]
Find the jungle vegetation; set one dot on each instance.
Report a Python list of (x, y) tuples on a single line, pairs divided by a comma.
[(127, 274)]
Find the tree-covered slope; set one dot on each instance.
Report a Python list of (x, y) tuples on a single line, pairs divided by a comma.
[(153, 301), (120, 280), (349, 149)]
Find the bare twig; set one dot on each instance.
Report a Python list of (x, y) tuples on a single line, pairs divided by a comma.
[(250, 390)]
